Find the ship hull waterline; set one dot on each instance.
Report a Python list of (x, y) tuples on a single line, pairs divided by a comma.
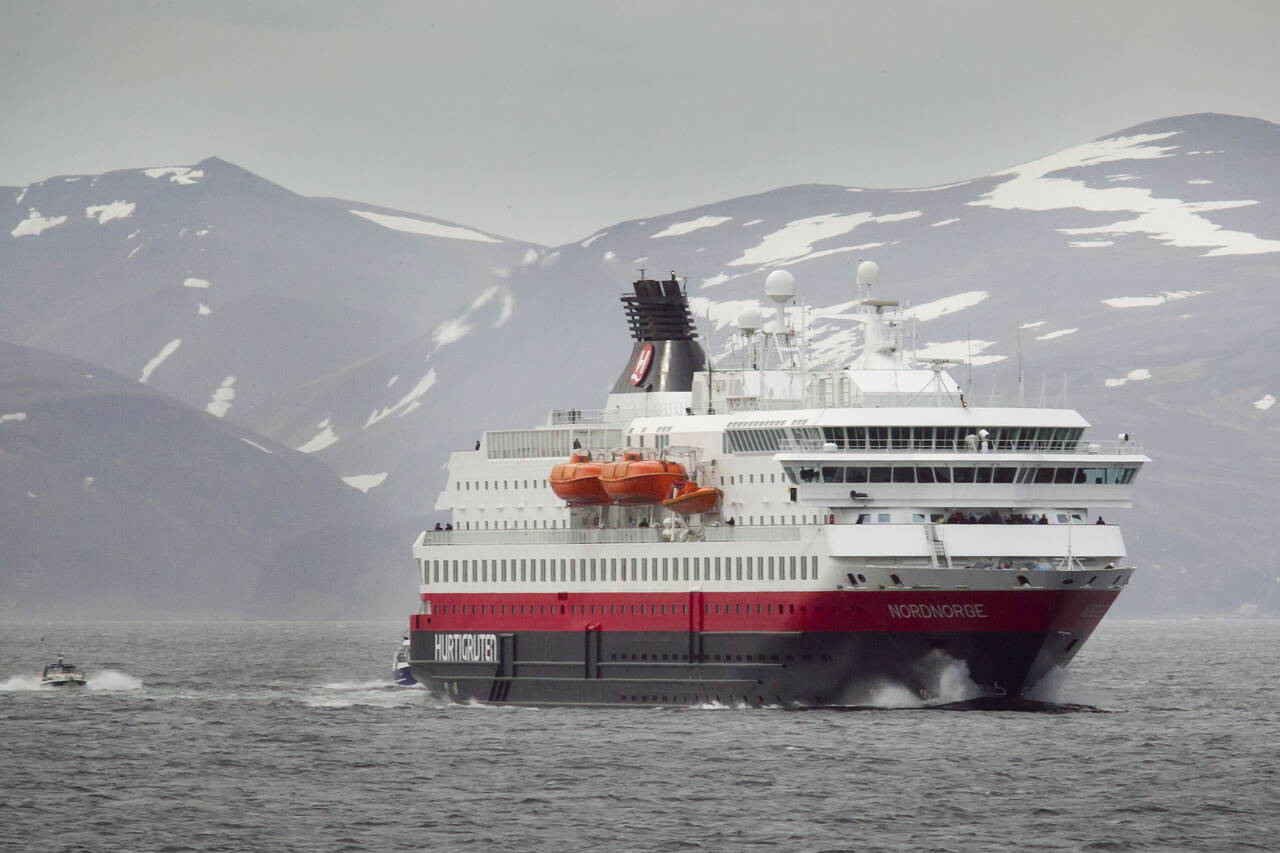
[(998, 663)]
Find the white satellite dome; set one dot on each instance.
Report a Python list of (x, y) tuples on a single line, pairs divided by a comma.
[(868, 272), (780, 286), (750, 319)]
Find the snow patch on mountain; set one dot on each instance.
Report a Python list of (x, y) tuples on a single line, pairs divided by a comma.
[(725, 313), (106, 212), (18, 417), (1091, 244), (1059, 333), (752, 222), (255, 444), (610, 256), (168, 350), (1168, 220), (676, 229), (960, 351), (1137, 375), (942, 222), (946, 305), (325, 437), (1263, 404), (422, 226), (405, 404), (35, 224), (198, 283), (450, 331), (1199, 181), (365, 482), (795, 240), (393, 380), (1033, 325), (135, 250), (203, 310), (719, 278), (586, 244), (1151, 301), (177, 174), (223, 396)]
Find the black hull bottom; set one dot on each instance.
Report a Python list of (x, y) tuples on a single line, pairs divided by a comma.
[(801, 669)]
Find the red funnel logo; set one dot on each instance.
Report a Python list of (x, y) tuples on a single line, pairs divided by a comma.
[(643, 360)]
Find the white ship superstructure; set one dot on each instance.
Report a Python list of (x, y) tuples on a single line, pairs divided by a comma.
[(766, 532)]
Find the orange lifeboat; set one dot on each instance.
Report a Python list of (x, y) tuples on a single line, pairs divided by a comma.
[(633, 480), (691, 499), (578, 481)]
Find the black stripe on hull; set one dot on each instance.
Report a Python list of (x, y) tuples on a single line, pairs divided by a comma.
[(811, 669)]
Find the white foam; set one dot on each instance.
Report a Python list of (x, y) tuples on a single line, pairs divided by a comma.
[(424, 227), (177, 174), (35, 224), (1169, 220), (223, 396), (946, 305), (1056, 334), (1265, 403), (1151, 301), (325, 437), (405, 404), (110, 679), (106, 212), (203, 310), (168, 350), (255, 444), (13, 418), (796, 239), (942, 222), (676, 229), (198, 283), (365, 482)]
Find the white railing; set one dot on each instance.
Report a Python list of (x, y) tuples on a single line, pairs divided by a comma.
[(639, 535), (1100, 448)]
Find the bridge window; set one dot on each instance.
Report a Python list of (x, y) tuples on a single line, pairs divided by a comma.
[(879, 474), (833, 474), (904, 474)]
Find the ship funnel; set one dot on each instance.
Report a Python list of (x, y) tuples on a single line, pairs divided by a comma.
[(665, 354)]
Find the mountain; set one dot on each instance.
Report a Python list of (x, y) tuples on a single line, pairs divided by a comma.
[(1131, 277), (118, 500)]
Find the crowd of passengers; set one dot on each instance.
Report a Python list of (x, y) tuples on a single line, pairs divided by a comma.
[(958, 517)]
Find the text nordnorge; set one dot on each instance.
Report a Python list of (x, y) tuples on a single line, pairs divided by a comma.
[(938, 611), (466, 648)]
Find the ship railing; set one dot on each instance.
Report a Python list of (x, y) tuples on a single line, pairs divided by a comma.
[(1099, 448), (640, 535)]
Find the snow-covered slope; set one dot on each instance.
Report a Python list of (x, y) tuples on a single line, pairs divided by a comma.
[(1137, 275)]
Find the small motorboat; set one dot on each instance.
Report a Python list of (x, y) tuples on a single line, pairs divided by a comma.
[(400, 671), (62, 674), (692, 499)]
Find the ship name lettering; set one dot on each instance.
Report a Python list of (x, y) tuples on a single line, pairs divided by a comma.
[(466, 648), (938, 611)]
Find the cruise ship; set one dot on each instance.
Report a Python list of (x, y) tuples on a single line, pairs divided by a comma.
[(764, 532)]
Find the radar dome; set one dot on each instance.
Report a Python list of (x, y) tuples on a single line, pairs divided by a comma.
[(868, 272), (750, 319), (780, 286)]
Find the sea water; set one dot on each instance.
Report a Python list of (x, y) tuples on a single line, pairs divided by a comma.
[(291, 737)]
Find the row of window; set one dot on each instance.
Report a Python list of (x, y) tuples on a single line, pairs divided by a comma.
[(1027, 439), (750, 609), (485, 485), (619, 569), (907, 473), (543, 443)]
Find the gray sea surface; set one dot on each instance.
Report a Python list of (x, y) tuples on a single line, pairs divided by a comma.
[(291, 737)]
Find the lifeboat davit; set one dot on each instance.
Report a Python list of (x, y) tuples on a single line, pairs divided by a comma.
[(692, 499), (577, 481), (633, 480)]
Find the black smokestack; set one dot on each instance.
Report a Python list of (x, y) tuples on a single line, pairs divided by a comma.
[(665, 354)]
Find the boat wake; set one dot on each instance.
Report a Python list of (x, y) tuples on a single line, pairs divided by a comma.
[(107, 679), (372, 694)]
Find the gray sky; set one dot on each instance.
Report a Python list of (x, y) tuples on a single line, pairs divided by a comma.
[(546, 121)]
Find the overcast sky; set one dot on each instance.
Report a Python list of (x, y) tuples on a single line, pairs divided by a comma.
[(546, 121)]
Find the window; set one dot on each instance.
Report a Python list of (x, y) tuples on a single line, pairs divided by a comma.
[(882, 518), (880, 474), (962, 474), (833, 474), (904, 474), (855, 475)]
